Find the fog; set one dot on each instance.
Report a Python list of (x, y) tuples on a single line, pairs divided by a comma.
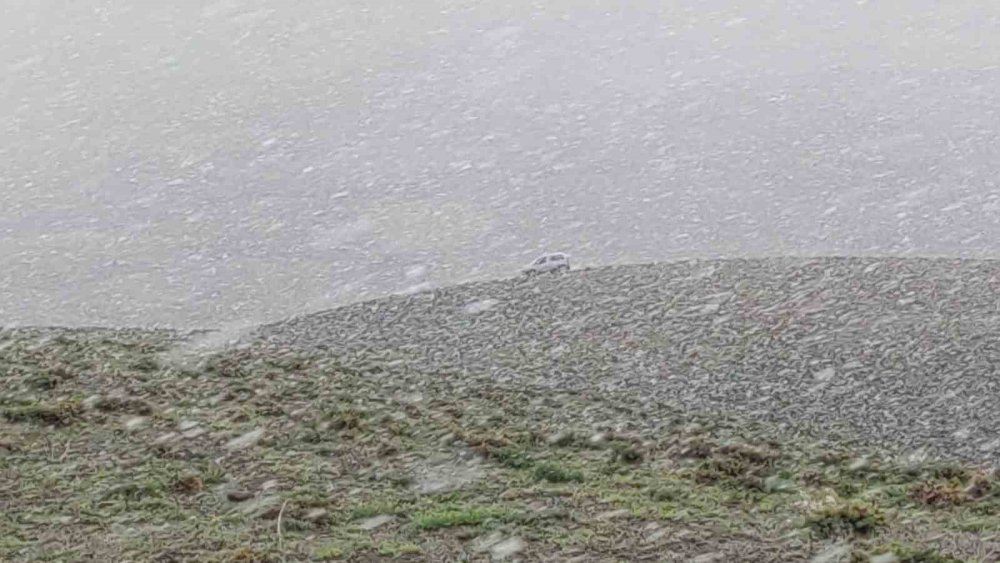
[(195, 164)]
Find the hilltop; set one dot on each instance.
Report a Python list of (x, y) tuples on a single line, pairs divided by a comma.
[(825, 409)]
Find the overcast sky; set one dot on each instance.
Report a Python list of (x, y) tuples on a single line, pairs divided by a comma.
[(194, 164)]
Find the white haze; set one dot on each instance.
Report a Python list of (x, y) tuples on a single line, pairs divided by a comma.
[(202, 163)]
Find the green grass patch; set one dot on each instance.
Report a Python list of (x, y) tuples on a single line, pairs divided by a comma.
[(376, 508), (450, 518), (554, 473), (512, 458), (395, 549), (60, 413)]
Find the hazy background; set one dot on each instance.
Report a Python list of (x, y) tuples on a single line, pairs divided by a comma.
[(201, 163)]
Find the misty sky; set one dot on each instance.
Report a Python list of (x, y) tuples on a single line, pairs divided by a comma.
[(202, 163)]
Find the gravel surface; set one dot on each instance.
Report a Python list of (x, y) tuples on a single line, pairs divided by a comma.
[(902, 353)]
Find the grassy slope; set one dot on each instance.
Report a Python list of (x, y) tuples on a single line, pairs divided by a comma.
[(107, 454)]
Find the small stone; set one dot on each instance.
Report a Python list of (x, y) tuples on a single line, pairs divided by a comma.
[(655, 536), (990, 446), (220, 398), (614, 514), (775, 484), (884, 558), (316, 515), (598, 439), (484, 543), (710, 308), (165, 438), (239, 496), (713, 557), (833, 554), (136, 423), (375, 521), (187, 425), (245, 441), (859, 463), (447, 440), (268, 485), (824, 374), (91, 402), (266, 508), (477, 307), (507, 548)]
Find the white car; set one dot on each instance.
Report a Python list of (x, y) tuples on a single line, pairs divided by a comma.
[(554, 262)]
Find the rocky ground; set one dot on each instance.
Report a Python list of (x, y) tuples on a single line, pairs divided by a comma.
[(826, 410), (902, 353)]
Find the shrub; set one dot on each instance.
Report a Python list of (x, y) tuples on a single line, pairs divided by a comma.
[(840, 518), (936, 493)]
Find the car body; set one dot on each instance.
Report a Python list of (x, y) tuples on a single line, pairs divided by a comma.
[(550, 262)]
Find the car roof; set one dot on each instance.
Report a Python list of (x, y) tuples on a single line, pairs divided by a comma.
[(553, 255)]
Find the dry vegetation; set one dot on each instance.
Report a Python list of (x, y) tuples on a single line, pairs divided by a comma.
[(108, 453)]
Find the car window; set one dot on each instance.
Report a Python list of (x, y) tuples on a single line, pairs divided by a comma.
[(540, 260)]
